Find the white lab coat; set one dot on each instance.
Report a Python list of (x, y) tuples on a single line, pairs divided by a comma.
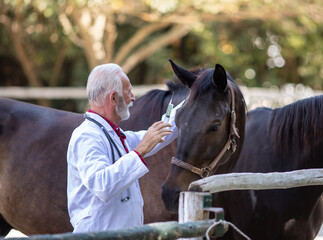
[(95, 185)]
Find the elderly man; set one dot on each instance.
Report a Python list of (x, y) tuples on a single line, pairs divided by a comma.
[(105, 163)]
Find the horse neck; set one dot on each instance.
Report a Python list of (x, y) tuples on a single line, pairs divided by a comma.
[(297, 132)]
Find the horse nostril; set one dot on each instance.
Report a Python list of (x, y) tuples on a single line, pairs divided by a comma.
[(175, 202), (170, 198)]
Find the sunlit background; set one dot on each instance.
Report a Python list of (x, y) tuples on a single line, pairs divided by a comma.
[(272, 49), (261, 43)]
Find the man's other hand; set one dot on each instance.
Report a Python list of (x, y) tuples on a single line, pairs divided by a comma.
[(153, 136)]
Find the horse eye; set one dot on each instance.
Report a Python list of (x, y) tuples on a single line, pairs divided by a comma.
[(213, 128)]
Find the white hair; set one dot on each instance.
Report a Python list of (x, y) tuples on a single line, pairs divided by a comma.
[(103, 80)]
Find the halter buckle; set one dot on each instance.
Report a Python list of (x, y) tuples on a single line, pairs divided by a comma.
[(233, 116), (233, 145), (205, 172)]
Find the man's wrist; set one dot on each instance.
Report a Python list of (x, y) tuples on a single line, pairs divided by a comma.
[(141, 150), (141, 158)]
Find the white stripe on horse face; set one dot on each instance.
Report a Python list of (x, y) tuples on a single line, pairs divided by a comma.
[(290, 225)]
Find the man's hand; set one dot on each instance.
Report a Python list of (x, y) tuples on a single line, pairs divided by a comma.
[(153, 136)]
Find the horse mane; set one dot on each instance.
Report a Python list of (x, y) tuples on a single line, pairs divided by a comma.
[(297, 126), (155, 98)]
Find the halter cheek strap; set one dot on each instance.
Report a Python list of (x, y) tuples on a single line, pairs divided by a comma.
[(230, 144)]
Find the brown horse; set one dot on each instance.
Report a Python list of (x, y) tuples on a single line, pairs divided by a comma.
[(278, 140), (33, 145), (211, 127)]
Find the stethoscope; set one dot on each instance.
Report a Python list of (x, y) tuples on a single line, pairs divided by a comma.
[(113, 146)]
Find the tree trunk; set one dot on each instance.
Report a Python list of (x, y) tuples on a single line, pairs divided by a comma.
[(144, 52)]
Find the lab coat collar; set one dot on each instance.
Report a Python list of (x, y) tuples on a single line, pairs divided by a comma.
[(108, 127)]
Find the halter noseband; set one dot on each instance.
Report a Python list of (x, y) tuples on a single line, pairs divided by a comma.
[(230, 144)]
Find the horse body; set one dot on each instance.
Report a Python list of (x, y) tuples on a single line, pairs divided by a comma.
[(33, 145), (279, 140)]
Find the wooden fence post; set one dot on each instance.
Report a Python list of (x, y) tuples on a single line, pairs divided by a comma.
[(190, 208)]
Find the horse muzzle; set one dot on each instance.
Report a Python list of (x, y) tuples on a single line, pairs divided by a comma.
[(170, 196)]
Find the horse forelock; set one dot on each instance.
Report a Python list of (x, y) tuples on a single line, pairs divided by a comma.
[(297, 127), (204, 82)]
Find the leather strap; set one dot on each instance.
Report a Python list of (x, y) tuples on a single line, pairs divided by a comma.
[(202, 172)]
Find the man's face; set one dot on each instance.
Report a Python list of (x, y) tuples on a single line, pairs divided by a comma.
[(125, 101), (126, 89)]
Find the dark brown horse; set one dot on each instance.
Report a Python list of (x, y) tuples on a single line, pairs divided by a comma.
[(33, 145), (211, 127), (278, 140)]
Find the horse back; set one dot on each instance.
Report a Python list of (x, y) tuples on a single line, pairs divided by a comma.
[(34, 126)]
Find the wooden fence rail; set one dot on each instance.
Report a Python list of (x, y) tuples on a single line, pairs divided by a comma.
[(62, 92), (251, 94), (258, 181), (162, 231), (188, 227)]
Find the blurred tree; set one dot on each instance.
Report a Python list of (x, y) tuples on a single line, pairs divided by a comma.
[(29, 29), (260, 53), (97, 27), (261, 43), (33, 37), (264, 42)]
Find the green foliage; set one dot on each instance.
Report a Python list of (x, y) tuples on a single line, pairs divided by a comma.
[(244, 46), (35, 25), (259, 47)]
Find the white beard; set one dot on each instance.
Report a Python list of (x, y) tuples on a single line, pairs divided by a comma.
[(122, 109)]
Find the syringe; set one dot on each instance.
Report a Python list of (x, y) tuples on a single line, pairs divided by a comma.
[(169, 110)]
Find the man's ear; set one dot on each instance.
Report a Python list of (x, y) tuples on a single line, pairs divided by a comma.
[(113, 98)]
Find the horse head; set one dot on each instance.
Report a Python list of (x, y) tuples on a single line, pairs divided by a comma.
[(210, 130)]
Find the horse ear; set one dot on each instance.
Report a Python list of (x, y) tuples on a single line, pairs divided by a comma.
[(220, 78), (185, 76)]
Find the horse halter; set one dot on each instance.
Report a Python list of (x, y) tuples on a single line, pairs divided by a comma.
[(230, 144)]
